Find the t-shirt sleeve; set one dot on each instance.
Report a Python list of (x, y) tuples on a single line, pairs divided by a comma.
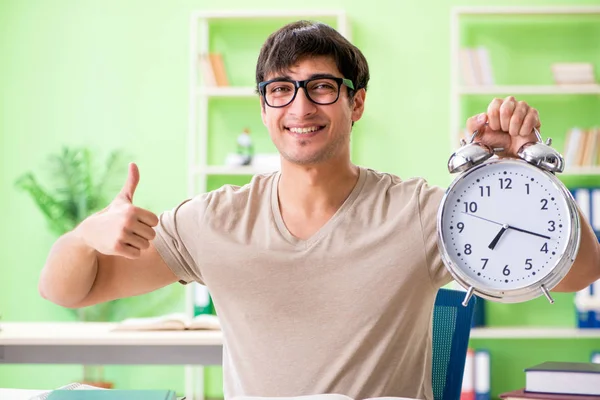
[(430, 198), (177, 231)]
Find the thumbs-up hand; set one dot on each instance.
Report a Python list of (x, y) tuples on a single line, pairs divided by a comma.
[(121, 229)]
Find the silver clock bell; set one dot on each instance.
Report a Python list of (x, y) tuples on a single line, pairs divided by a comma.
[(537, 153)]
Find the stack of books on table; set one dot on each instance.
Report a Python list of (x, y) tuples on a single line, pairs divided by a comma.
[(559, 381)]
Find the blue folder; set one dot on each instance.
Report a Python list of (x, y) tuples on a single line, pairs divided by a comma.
[(112, 395)]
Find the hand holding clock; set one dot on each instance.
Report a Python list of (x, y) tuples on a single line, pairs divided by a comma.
[(507, 124)]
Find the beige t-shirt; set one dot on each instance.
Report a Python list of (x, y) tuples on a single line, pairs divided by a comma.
[(347, 311)]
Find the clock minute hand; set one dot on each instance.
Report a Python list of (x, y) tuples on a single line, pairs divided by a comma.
[(531, 233)]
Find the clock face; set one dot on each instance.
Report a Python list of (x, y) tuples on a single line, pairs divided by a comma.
[(505, 225)]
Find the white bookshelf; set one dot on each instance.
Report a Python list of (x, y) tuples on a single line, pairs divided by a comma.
[(530, 89), (534, 333), (518, 10), (582, 171), (458, 90), (198, 125)]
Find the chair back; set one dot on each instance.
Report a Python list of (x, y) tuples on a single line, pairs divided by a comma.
[(451, 330)]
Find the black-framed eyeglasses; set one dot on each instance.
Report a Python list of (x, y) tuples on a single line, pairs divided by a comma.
[(321, 90)]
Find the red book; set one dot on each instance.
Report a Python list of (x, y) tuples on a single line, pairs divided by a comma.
[(521, 394)]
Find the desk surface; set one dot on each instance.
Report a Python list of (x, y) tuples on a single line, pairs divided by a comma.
[(99, 333)]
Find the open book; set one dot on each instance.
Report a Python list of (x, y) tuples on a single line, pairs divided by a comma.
[(170, 322), (327, 396)]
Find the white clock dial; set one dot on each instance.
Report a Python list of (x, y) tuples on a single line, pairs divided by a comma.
[(505, 225)]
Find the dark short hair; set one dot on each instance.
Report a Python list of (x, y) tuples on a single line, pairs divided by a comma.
[(302, 39)]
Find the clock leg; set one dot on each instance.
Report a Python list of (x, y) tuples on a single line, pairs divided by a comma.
[(547, 294)]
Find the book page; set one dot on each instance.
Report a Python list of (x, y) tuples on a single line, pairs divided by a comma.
[(170, 322), (204, 321), (327, 396)]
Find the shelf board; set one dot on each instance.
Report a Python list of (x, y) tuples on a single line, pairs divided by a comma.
[(227, 91), (531, 89), (227, 170), (533, 333), (552, 10), (254, 14), (571, 171)]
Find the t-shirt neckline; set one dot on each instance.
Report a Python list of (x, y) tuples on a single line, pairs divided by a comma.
[(328, 226)]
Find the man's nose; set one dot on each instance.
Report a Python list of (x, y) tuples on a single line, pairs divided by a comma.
[(302, 105)]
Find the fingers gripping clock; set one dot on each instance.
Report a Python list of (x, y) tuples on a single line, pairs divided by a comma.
[(508, 229)]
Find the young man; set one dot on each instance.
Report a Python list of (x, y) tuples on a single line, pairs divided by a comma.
[(324, 275)]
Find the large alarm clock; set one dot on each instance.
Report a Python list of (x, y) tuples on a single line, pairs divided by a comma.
[(508, 229)]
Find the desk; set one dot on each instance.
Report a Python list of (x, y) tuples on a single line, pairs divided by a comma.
[(96, 343)]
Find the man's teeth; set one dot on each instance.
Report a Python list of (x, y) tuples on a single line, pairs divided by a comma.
[(304, 130)]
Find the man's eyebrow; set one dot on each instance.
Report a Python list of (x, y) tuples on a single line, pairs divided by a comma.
[(317, 76), (313, 76)]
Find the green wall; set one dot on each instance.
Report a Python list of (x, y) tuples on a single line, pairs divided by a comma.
[(113, 74)]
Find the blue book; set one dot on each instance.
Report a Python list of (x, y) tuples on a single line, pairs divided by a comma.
[(112, 395)]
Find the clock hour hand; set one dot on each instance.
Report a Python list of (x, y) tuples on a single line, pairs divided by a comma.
[(498, 236), (531, 233)]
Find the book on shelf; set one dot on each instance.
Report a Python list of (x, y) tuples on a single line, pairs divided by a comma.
[(582, 147), (521, 394), (170, 322), (208, 75), (572, 378), (573, 73), (212, 68), (588, 201), (218, 67), (476, 66), (587, 306)]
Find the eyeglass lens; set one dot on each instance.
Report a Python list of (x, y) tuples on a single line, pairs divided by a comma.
[(320, 91)]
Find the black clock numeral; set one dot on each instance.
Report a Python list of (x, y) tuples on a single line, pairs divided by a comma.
[(468, 249), (460, 227), (506, 271), (529, 264), (527, 186), (552, 227), (544, 204), (544, 248), (470, 206), (485, 191), (505, 183), (485, 261)]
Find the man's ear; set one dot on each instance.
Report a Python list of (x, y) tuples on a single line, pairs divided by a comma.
[(358, 105)]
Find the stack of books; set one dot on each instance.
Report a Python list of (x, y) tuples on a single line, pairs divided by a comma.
[(573, 73), (559, 381)]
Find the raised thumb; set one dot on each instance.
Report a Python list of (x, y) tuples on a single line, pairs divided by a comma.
[(133, 177)]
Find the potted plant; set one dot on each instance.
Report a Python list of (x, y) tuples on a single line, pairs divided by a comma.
[(77, 189)]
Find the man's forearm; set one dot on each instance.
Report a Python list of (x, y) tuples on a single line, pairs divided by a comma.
[(69, 272)]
